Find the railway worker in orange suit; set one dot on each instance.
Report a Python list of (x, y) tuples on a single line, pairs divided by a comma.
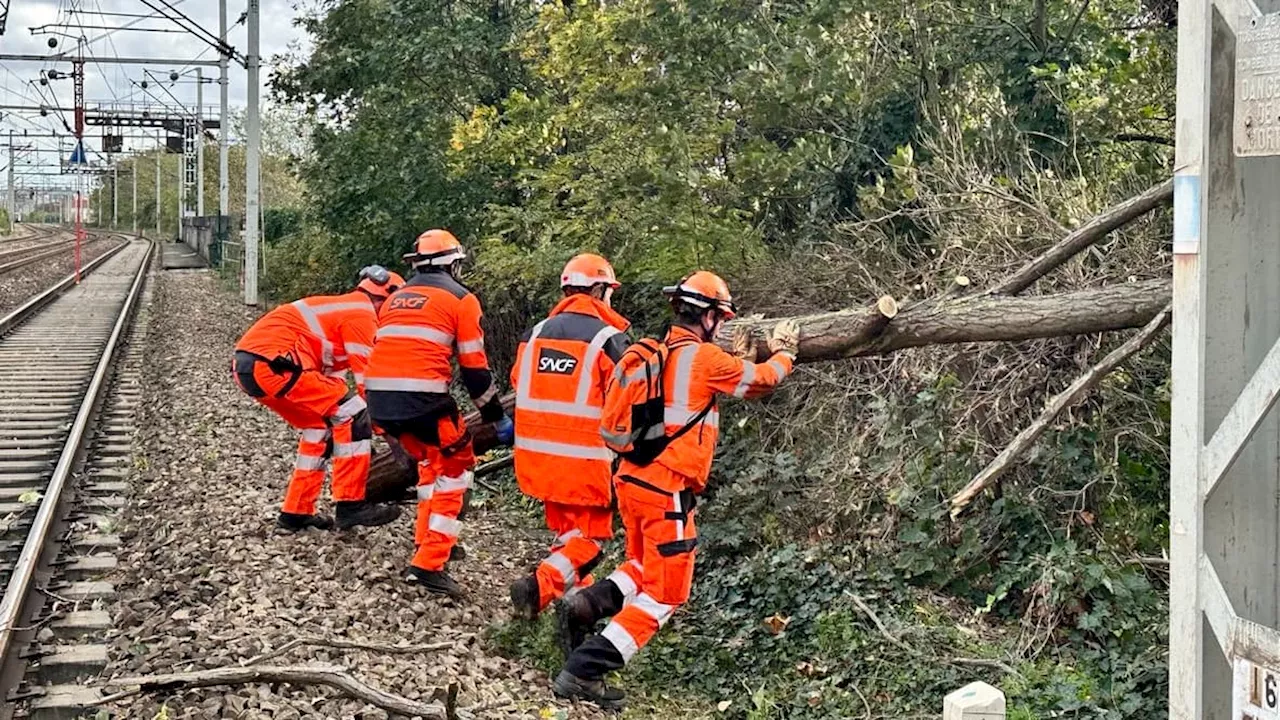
[(408, 377), (294, 360), (657, 499), (562, 366)]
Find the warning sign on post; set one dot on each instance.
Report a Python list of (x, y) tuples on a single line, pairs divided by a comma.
[(1257, 108)]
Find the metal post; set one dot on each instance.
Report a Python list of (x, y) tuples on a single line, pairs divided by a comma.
[(224, 186), (199, 142), (159, 156), (133, 170), (13, 209), (253, 147), (182, 192), (115, 197)]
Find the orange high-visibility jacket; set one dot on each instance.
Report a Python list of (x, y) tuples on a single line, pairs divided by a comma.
[(561, 368), (326, 333), (419, 328), (697, 373)]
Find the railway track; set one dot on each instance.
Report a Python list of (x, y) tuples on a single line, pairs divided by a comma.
[(67, 394), (18, 258)]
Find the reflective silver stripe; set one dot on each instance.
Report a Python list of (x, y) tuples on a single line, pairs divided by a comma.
[(315, 435), (562, 539), (621, 639), (654, 609), (589, 358), (471, 346), (614, 438), (359, 377), (351, 449), (406, 385), (683, 375), (675, 499), (486, 396), (681, 417), (312, 320), (562, 565), (445, 524), (778, 368), (548, 447), (326, 308), (309, 462), (339, 358), (558, 407), (359, 349), (748, 376), (453, 484), (425, 492), (350, 408), (625, 584), (335, 373), (413, 331)]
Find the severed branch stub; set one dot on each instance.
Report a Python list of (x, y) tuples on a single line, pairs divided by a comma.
[(328, 675), (1060, 402)]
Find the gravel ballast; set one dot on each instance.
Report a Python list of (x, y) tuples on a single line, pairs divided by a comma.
[(16, 286), (206, 580)]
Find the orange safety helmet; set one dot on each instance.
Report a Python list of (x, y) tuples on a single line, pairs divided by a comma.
[(587, 270), (703, 289), (435, 247), (379, 281)]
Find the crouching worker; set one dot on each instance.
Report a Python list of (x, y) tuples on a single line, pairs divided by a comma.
[(294, 360), (408, 380), (660, 415), (561, 368)]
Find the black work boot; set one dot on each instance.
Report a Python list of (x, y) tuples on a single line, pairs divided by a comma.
[(438, 582), (360, 512), (293, 522), (524, 597), (567, 685), (575, 618), (457, 552)]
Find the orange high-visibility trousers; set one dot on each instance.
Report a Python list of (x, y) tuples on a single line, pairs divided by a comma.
[(332, 425), (575, 551), (656, 578), (442, 447)]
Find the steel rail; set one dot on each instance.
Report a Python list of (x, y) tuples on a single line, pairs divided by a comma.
[(29, 308), (24, 572), (40, 252)]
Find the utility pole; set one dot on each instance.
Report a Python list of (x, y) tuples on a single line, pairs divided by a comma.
[(199, 142), (182, 192), (77, 71), (115, 197), (224, 186), (133, 167), (13, 208), (159, 156), (253, 147)]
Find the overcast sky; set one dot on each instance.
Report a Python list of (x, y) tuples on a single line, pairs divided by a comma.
[(108, 83)]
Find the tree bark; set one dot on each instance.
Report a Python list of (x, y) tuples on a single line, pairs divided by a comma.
[(1056, 406), (1091, 232), (983, 318), (330, 675)]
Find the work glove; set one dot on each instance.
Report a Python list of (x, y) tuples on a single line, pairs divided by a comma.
[(785, 338), (506, 431), (744, 347)]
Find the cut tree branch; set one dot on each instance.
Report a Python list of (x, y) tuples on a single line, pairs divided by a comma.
[(1091, 232), (1063, 400), (329, 675), (341, 644)]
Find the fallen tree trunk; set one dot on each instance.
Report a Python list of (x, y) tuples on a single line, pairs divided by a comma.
[(983, 318)]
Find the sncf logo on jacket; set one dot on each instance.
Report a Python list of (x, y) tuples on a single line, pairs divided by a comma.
[(554, 361)]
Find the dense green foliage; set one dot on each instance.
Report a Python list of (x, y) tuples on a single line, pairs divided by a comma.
[(819, 152)]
